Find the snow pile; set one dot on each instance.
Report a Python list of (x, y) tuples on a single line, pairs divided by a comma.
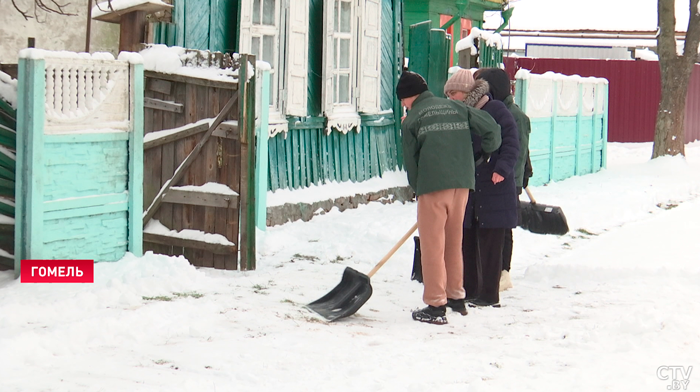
[(209, 187), (155, 227), (176, 60), (8, 89), (601, 308), (646, 54)]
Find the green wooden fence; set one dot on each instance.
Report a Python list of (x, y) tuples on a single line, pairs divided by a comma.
[(8, 145), (306, 156), (430, 49), (203, 24)]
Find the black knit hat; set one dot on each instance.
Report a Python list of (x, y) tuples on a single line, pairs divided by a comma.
[(410, 84), (498, 79)]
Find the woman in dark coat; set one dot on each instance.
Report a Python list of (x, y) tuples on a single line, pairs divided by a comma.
[(492, 208)]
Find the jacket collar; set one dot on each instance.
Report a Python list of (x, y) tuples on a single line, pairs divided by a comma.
[(508, 100), (423, 96)]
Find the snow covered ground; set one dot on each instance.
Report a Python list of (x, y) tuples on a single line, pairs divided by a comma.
[(598, 309)]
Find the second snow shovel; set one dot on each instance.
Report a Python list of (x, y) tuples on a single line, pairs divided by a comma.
[(541, 218), (353, 290)]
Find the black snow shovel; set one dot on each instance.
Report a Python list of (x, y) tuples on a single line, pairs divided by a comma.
[(353, 290), (541, 218)]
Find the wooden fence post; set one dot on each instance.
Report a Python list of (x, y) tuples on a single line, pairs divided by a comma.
[(246, 121)]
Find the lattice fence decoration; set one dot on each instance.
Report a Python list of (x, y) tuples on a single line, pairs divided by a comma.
[(86, 94)]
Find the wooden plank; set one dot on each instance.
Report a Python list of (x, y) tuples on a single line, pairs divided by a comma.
[(188, 161), (228, 129), (159, 104), (373, 154), (155, 170), (160, 86), (325, 154), (359, 156), (181, 133), (232, 157), (351, 155), (247, 192), (210, 169), (193, 80), (221, 176), (283, 164), (197, 169), (336, 156), (297, 159), (168, 159), (273, 164), (315, 176), (191, 244), (367, 152), (180, 153), (303, 158)]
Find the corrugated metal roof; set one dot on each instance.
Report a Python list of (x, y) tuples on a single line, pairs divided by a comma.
[(634, 93)]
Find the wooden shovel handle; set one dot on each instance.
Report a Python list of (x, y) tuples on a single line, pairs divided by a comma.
[(529, 195), (393, 250)]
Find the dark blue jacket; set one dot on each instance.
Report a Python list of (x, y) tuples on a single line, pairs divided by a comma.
[(495, 205)]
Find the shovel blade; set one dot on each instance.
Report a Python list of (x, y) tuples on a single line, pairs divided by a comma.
[(346, 298)]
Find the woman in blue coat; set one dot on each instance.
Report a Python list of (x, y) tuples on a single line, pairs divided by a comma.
[(492, 208)]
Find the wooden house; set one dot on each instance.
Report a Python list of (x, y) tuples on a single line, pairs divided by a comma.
[(334, 64)]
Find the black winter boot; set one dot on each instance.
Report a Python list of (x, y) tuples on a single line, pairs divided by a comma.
[(431, 314), (457, 305)]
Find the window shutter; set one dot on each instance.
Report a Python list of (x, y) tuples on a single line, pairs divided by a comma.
[(297, 57), (244, 40), (328, 56), (370, 57)]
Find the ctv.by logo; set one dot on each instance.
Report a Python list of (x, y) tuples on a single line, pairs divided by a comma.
[(679, 376)]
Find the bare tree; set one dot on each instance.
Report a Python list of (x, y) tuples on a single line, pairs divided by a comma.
[(669, 136), (41, 6)]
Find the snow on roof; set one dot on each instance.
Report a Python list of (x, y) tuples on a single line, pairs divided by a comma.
[(492, 39), (618, 15), (119, 5)]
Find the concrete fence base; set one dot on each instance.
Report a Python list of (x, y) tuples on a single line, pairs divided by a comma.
[(290, 212)]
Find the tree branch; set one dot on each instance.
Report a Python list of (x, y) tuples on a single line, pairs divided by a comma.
[(692, 35), (41, 6), (24, 14)]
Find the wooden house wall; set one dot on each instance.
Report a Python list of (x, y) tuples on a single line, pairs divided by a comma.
[(306, 155)]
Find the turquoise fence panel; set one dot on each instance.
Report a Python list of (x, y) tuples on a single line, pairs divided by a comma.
[(262, 149), (307, 155), (80, 158), (568, 117), (540, 150)]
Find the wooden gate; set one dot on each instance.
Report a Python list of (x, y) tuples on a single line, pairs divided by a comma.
[(198, 164)]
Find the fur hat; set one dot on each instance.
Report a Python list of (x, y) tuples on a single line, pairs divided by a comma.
[(410, 84), (462, 80), (499, 82)]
